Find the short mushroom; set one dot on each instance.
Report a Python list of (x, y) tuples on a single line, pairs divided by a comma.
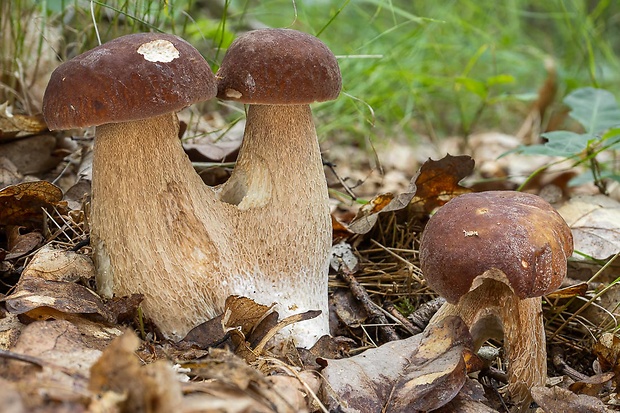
[(278, 186), (492, 255), (153, 222)]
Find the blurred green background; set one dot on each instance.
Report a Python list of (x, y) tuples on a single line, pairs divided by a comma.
[(410, 68)]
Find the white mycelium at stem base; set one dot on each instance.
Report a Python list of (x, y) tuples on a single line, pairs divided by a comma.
[(279, 205)]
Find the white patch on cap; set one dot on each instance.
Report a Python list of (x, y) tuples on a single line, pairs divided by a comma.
[(159, 51)]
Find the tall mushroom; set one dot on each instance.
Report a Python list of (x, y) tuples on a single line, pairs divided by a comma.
[(278, 186), (492, 255), (155, 227)]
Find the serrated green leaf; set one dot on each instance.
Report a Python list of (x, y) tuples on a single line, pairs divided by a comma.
[(596, 109)]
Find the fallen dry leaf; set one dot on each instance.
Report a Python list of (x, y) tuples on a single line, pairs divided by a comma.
[(10, 399), (369, 213), (9, 174), (435, 183), (423, 372), (343, 257), (22, 204), (32, 293), (12, 124), (154, 388), (569, 292), (241, 314), (21, 244), (558, 400), (607, 351), (65, 351), (33, 154), (347, 309), (469, 400), (295, 390), (438, 181), (594, 222), (230, 383), (59, 265), (593, 385)]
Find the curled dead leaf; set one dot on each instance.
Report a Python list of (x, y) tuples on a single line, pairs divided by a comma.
[(59, 265), (438, 181), (33, 293), (22, 204), (435, 183), (152, 388), (11, 124), (422, 372)]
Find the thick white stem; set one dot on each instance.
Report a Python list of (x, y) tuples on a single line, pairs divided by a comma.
[(279, 202), (186, 250), (492, 310), (155, 227)]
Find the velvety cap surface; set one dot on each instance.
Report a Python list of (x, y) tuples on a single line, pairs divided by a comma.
[(278, 66), (133, 77), (519, 234)]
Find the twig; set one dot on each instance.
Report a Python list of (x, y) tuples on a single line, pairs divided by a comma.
[(348, 190), (360, 293), (39, 362), (404, 322), (423, 314), (557, 357)]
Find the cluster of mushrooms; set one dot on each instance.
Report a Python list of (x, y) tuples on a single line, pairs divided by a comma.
[(266, 232)]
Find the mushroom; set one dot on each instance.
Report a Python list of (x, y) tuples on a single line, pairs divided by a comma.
[(153, 223), (156, 228), (278, 186), (492, 255)]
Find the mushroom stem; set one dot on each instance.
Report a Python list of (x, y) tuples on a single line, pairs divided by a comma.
[(168, 238), (492, 310), (280, 209)]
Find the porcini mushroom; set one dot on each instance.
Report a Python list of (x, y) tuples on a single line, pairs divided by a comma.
[(156, 229), (492, 255), (153, 221), (278, 186)]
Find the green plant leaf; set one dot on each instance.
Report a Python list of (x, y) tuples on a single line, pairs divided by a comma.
[(559, 143), (611, 137), (473, 85), (596, 109), (567, 143), (503, 79)]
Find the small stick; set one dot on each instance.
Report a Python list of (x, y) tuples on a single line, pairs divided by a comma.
[(557, 357), (360, 293), (405, 323), (423, 314), (348, 190)]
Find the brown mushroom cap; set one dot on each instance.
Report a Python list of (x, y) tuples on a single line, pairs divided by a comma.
[(132, 77), (517, 233), (278, 66)]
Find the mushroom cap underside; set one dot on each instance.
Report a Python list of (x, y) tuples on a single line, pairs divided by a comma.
[(517, 233), (278, 66), (133, 77)]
